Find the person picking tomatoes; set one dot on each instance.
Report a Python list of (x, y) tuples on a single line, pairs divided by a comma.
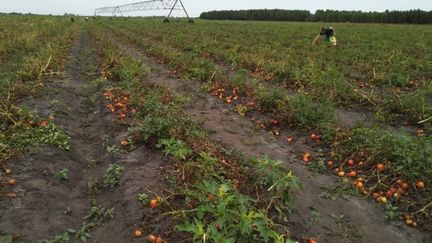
[(327, 35)]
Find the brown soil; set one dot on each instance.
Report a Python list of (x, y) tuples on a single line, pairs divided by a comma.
[(38, 213), (362, 221)]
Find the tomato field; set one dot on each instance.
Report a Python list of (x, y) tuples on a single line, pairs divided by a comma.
[(132, 130)]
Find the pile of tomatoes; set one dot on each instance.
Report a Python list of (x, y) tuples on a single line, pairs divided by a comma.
[(370, 179), (118, 104)]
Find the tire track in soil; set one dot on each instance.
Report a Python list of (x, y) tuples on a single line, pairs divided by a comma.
[(228, 128), (38, 211)]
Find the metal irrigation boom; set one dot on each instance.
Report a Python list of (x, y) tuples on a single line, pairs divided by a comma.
[(145, 6)]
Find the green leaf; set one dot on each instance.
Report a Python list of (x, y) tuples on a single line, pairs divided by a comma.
[(72, 231), (83, 238)]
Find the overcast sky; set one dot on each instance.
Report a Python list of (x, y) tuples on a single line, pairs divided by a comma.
[(195, 7)]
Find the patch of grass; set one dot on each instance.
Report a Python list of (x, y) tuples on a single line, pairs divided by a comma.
[(269, 175), (143, 198), (417, 105), (96, 217), (403, 153), (313, 218), (173, 147), (28, 131), (63, 238), (112, 175), (317, 166), (58, 107), (203, 70), (240, 81), (308, 114), (392, 212), (111, 148), (123, 68), (62, 175), (271, 99), (99, 83), (225, 215), (93, 186)]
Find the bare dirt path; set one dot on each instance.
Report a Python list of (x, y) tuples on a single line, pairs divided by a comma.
[(341, 220), (45, 206)]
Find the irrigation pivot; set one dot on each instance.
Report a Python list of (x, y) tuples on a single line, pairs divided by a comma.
[(149, 5)]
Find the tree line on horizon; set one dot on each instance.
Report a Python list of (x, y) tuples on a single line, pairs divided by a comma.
[(392, 17)]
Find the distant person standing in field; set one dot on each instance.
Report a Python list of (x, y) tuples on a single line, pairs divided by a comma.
[(327, 35)]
